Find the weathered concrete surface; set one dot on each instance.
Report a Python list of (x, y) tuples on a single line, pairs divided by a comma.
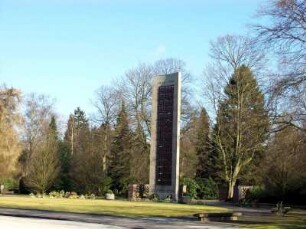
[(10, 222), (169, 80)]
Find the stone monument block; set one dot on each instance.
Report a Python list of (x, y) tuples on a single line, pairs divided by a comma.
[(165, 135)]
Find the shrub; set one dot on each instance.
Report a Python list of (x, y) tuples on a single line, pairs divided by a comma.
[(62, 194), (106, 184), (254, 194), (10, 184), (192, 186), (69, 195), (208, 189), (54, 194)]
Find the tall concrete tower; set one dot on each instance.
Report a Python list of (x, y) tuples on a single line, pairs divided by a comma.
[(165, 135)]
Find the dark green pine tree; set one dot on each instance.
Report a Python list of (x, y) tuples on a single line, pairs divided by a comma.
[(241, 127), (53, 132), (79, 139), (140, 157), (64, 180), (76, 126), (64, 155), (203, 146), (119, 168)]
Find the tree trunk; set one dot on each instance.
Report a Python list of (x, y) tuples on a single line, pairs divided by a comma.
[(231, 185)]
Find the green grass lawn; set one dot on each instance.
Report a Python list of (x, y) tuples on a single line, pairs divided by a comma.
[(149, 209), (124, 208)]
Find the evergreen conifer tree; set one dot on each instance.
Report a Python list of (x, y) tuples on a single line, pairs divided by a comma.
[(241, 126), (203, 146), (119, 169)]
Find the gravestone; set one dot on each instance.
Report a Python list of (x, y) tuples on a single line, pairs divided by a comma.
[(165, 135), (1, 189)]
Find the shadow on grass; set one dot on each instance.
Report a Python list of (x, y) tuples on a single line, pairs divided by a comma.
[(250, 222), (274, 225), (293, 225)]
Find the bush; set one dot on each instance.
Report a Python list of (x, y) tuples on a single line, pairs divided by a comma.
[(54, 194), (254, 194), (69, 195), (192, 186), (105, 184), (10, 184), (208, 189)]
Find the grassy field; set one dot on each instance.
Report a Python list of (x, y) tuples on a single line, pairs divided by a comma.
[(124, 208), (293, 220)]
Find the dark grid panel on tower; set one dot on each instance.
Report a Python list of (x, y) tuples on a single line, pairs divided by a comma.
[(164, 135)]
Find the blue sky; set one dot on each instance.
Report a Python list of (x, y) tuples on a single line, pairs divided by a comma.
[(69, 48)]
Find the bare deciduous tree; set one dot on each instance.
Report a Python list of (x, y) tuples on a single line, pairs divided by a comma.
[(136, 90), (284, 167), (39, 157), (285, 34), (106, 102), (10, 147), (285, 30), (107, 105), (228, 53), (37, 116), (171, 65), (43, 167), (234, 50)]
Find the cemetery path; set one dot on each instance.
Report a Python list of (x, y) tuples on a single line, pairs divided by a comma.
[(32, 218)]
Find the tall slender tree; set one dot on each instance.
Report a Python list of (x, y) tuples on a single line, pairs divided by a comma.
[(78, 137), (120, 158), (203, 147), (10, 146), (64, 179), (188, 156)]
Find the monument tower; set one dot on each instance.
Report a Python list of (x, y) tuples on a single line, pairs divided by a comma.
[(165, 135)]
